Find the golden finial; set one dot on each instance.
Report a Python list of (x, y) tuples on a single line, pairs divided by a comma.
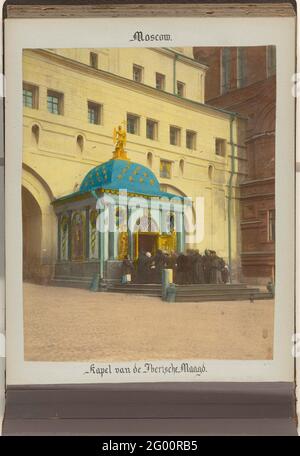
[(119, 139)]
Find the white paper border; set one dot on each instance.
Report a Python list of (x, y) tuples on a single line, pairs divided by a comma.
[(116, 32)]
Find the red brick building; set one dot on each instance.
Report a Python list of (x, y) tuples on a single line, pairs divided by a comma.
[(243, 80)]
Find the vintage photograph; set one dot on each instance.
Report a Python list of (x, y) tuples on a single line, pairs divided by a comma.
[(148, 203)]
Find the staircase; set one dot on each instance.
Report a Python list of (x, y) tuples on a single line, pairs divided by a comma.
[(183, 293), (196, 292), (72, 282), (219, 292), (147, 289)]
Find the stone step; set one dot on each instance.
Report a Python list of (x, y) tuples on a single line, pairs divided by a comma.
[(154, 295), (72, 282), (196, 288), (237, 297), (144, 291), (127, 288), (217, 292), (134, 285), (215, 286)]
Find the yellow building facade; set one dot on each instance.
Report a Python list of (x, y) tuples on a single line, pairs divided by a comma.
[(73, 99)]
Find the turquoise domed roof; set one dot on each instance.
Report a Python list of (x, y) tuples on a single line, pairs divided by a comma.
[(117, 174)]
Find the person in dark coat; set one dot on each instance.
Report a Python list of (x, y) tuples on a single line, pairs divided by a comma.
[(142, 267), (214, 264), (127, 270), (199, 267), (225, 273), (221, 264), (206, 266), (159, 263), (181, 263), (193, 266), (189, 267), (149, 271)]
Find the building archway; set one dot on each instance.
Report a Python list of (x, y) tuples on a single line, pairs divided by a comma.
[(32, 235), (39, 228)]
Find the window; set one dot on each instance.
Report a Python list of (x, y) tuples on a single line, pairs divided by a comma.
[(94, 113), (137, 73), (55, 102), (160, 81), (175, 134), (151, 129), (271, 225), (271, 60), (165, 169), (220, 145), (190, 139), (180, 89), (226, 69), (241, 67), (133, 124), (30, 96), (94, 60)]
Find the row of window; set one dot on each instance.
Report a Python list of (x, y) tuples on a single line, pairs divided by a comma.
[(133, 127), (55, 105), (165, 166), (175, 134), (160, 80), (138, 76)]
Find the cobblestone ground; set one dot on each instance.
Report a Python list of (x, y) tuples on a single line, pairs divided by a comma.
[(67, 324)]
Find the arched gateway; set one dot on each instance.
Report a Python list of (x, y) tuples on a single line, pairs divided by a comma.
[(39, 228), (118, 211)]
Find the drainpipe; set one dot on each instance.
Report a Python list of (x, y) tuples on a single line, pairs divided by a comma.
[(232, 172), (174, 74)]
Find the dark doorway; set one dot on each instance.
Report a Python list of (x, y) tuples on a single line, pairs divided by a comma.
[(32, 236), (147, 242)]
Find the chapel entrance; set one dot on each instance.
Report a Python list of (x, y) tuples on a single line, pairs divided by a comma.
[(147, 242)]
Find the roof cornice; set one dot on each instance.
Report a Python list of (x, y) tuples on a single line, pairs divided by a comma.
[(181, 57), (133, 85)]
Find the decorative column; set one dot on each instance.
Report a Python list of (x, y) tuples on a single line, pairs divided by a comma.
[(87, 232), (101, 244), (98, 280), (111, 232), (130, 235), (180, 230), (70, 236), (59, 216), (160, 221)]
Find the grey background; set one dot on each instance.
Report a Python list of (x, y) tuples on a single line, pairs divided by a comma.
[(208, 408), (31, 410)]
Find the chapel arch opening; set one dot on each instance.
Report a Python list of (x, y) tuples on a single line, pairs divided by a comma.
[(32, 236)]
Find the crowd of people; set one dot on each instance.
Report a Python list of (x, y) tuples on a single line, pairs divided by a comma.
[(188, 268)]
